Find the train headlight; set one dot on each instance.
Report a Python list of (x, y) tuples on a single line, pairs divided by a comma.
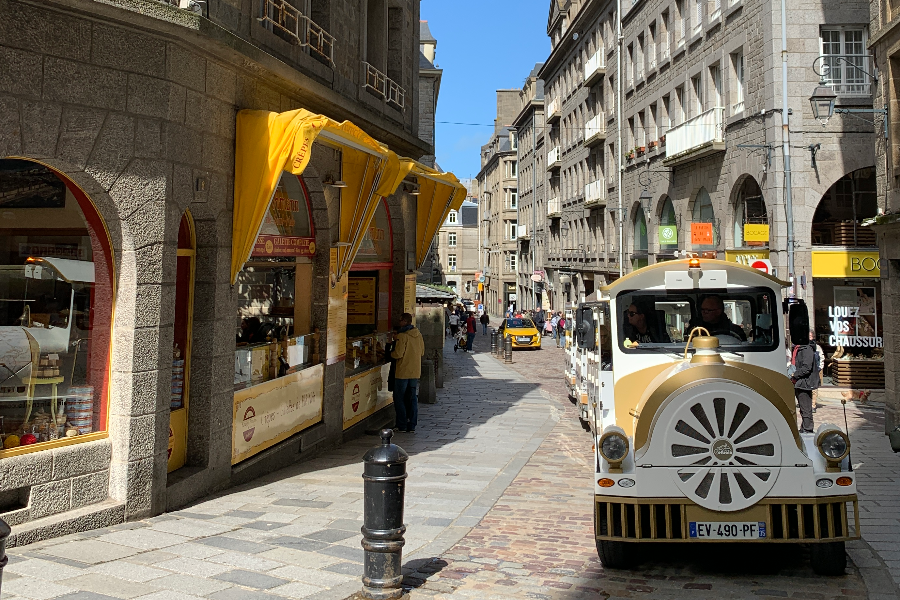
[(834, 446), (614, 448)]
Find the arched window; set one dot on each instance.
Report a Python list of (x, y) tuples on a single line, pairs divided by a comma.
[(703, 213), (639, 252), (56, 301), (749, 209), (838, 218)]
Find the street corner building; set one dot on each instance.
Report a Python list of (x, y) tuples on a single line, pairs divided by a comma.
[(211, 215)]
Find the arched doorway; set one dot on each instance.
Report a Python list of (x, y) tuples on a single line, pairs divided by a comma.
[(842, 209), (750, 210), (702, 212), (181, 345), (56, 303)]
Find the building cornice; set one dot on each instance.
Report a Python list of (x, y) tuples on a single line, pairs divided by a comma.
[(530, 107), (585, 16)]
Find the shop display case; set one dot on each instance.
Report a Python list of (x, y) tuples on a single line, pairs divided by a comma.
[(368, 351), (258, 363)]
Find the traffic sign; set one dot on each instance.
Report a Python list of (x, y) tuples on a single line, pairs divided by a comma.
[(763, 264)]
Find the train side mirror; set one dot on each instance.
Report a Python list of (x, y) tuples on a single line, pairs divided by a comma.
[(587, 336), (798, 322)]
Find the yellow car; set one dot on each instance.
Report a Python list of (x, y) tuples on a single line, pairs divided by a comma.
[(523, 332)]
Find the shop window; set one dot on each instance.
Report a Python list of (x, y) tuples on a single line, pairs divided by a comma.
[(56, 302), (703, 213), (842, 209), (274, 291), (750, 209)]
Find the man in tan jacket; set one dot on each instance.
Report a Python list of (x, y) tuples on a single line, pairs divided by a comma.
[(408, 352)]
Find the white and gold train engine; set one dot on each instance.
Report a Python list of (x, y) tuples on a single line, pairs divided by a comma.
[(694, 420)]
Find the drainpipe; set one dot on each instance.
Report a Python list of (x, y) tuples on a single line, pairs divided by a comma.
[(786, 150), (619, 164)]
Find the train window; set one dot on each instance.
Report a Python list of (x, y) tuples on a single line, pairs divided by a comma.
[(744, 318)]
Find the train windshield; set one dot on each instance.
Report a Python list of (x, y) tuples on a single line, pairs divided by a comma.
[(744, 320)]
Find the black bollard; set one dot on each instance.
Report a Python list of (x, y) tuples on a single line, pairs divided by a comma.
[(493, 341), (383, 528), (508, 349), (4, 535)]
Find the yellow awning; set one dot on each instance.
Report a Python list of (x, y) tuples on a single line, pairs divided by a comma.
[(269, 143), (439, 193)]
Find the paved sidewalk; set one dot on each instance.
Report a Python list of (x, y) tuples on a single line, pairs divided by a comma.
[(296, 533)]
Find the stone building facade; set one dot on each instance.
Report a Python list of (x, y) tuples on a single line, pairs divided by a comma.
[(694, 163), (124, 113), (884, 39), (457, 252), (531, 230), (497, 208)]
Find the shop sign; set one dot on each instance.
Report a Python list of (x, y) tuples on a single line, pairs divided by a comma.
[(853, 318), (668, 234), (266, 414), (365, 393), (756, 233), (72, 251), (841, 264), (284, 245), (361, 301), (409, 296), (336, 345), (702, 234), (746, 257)]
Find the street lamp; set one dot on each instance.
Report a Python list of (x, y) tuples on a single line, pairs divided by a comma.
[(822, 101)]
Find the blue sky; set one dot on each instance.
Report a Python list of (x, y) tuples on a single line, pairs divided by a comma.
[(481, 49)]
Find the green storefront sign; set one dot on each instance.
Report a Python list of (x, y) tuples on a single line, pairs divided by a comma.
[(668, 234)]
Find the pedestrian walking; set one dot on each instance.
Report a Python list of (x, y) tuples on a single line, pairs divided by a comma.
[(821, 373), (561, 331), (408, 351), (454, 324), (485, 321), (471, 330), (805, 375), (539, 318), (554, 321)]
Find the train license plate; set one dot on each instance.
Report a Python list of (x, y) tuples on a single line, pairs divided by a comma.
[(716, 530)]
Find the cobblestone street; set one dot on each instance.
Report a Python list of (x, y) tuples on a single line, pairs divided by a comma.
[(498, 505)]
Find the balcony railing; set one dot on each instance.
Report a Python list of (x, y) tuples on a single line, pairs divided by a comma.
[(595, 193), (554, 109), (595, 67), (554, 207), (382, 85), (554, 158), (848, 74), (301, 30), (595, 130), (703, 132), (522, 232)]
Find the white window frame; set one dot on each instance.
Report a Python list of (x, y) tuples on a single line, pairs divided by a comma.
[(451, 239), (452, 216), (737, 95), (451, 263), (843, 78)]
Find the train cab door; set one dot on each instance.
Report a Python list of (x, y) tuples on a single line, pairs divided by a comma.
[(603, 403)]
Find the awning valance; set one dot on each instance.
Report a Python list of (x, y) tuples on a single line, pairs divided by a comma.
[(269, 143), (439, 193)]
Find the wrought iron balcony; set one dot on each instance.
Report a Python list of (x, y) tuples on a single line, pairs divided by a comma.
[(848, 75), (381, 85), (300, 29), (696, 137)]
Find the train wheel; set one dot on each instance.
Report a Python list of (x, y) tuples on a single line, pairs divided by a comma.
[(828, 559), (614, 555)]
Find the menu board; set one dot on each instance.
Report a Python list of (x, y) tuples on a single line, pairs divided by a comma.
[(361, 300)]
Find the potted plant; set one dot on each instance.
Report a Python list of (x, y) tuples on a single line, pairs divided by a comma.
[(662, 140), (653, 144), (630, 155)]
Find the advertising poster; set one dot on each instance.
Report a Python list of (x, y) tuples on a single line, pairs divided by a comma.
[(409, 296), (361, 301), (336, 345), (275, 410), (853, 318), (702, 234), (364, 394)]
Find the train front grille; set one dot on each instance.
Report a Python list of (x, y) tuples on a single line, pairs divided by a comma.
[(787, 519)]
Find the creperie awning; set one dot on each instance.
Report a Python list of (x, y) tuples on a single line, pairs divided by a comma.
[(439, 193), (269, 143)]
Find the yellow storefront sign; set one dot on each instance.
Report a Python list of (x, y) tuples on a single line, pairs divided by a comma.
[(338, 289), (841, 264), (746, 257), (361, 301), (273, 411), (365, 393), (756, 233)]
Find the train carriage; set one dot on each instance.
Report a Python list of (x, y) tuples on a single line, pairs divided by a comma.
[(694, 419)]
